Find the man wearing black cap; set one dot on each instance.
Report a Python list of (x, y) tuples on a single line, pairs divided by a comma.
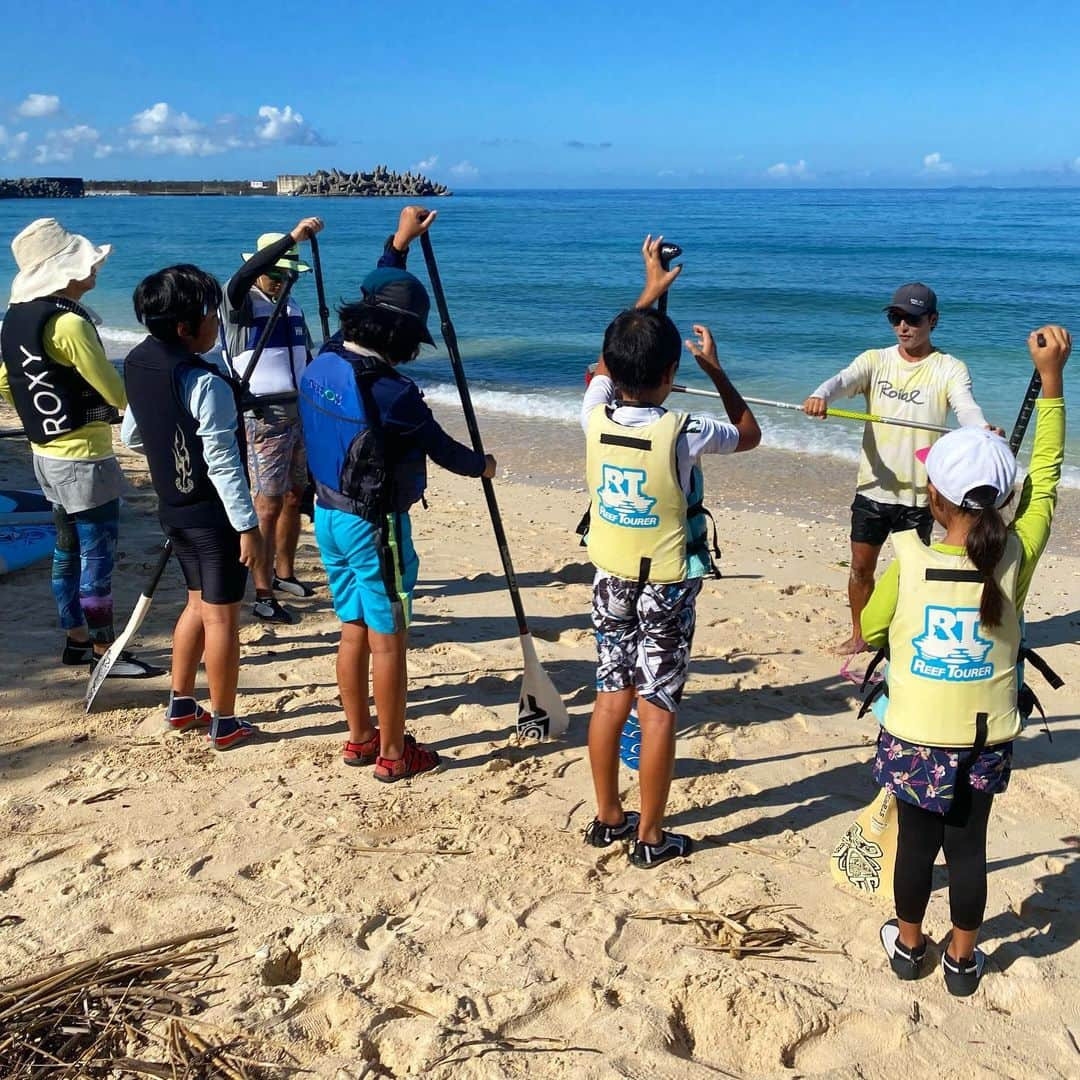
[(911, 380)]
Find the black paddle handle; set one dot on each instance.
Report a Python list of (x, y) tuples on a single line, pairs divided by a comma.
[(667, 253), (324, 311), (450, 337), (1027, 407)]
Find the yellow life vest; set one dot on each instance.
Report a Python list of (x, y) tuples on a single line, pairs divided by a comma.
[(637, 526), (951, 684)]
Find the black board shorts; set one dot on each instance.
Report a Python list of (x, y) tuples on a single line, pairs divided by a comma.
[(871, 522), (210, 561)]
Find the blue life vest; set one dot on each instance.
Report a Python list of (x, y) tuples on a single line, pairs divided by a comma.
[(343, 437)]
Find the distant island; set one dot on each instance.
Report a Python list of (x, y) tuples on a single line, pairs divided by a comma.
[(379, 182)]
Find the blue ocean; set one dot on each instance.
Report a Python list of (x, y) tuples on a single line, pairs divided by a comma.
[(792, 283)]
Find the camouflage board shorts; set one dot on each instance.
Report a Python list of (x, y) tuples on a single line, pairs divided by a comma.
[(277, 462), (643, 637)]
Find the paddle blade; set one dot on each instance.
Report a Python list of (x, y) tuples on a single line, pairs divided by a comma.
[(105, 664), (541, 712), (866, 854)]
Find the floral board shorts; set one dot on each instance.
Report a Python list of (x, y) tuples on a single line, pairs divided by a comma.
[(643, 636), (276, 458), (927, 776)]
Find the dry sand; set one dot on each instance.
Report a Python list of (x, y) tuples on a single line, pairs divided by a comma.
[(483, 938)]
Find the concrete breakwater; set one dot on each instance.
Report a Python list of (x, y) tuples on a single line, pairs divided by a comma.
[(42, 187), (380, 181)]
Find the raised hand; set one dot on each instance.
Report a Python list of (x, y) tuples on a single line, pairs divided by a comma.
[(703, 350), (657, 279), (413, 221), (306, 228)]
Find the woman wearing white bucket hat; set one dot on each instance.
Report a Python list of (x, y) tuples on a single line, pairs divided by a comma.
[(950, 615), (54, 370)]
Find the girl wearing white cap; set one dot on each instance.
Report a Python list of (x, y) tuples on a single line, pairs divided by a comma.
[(55, 372), (950, 615)]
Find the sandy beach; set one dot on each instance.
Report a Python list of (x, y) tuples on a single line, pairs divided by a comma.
[(456, 926)]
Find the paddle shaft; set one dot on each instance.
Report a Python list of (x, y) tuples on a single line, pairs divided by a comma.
[(1027, 407), (324, 311), (842, 414), (450, 337)]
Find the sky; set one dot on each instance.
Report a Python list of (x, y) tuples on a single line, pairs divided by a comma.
[(773, 93)]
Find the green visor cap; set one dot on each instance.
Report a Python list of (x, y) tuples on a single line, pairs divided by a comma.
[(289, 261)]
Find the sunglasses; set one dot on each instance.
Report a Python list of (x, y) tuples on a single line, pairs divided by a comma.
[(277, 275), (897, 317)]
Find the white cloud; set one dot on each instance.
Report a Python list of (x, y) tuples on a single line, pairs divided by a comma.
[(287, 127), (39, 105), (934, 163), (782, 170), (12, 146), (465, 169), (161, 119), (192, 145), (63, 145), (427, 163), (161, 131)]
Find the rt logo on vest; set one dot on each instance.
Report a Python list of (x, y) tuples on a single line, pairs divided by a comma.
[(622, 500), (950, 647)]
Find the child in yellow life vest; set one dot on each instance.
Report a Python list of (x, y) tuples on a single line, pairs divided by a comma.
[(639, 461), (950, 615)]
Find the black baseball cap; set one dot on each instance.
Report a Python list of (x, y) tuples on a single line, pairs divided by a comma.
[(398, 290), (914, 299)]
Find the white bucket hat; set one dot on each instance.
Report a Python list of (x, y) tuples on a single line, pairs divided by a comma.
[(50, 258), (968, 459)]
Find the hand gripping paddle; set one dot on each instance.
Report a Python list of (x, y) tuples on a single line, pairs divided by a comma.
[(866, 854), (541, 712)]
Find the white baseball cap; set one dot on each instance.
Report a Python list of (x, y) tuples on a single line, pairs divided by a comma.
[(967, 459)]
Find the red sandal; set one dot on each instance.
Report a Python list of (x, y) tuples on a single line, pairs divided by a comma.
[(415, 760), (361, 753)]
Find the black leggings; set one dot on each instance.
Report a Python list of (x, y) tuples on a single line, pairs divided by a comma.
[(962, 834)]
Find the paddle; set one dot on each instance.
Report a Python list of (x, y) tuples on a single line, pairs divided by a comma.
[(865, 856), (630, 741), (102, 668), (324, 311), (843, 414), (541, 712)]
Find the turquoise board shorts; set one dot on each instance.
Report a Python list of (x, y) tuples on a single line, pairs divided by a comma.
[(371, 570)]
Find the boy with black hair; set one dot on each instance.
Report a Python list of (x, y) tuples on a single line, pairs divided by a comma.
[(369, 434), (188, 428), (640, 458)]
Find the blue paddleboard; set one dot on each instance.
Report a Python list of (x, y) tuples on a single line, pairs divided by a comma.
[(26, 532), (630, 743)]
